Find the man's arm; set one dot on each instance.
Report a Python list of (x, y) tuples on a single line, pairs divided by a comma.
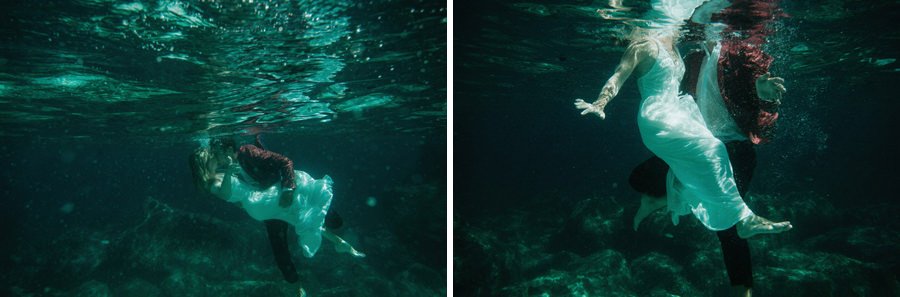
[(273, 160)]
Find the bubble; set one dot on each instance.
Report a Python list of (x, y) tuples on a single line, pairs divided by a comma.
[(67, 156), (67, 208)]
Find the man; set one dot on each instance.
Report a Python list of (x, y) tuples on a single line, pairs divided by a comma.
[(265, 168), (739, 101)]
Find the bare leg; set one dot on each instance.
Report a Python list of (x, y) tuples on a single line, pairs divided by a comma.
[(649, 204), (754, 224), (341, 246)]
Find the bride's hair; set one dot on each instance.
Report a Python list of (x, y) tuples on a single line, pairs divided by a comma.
[(199, 171)]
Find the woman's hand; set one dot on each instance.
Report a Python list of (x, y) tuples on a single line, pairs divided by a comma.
[(770, 88), (596, 108)]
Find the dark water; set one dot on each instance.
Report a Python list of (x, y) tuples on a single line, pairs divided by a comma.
[(102, 101), (542, 202)]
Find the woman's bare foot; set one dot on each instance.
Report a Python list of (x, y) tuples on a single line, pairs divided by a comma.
[(754, 224), (341, 245), (348, 249), (649, 204), (742, 291)]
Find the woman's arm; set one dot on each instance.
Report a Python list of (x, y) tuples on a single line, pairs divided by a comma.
[(221, 186), (635, 57), (225, 192)]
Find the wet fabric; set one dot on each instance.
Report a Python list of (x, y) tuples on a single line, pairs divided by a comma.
[(649, 178), (312, 198), (716, 114), (701, 180)]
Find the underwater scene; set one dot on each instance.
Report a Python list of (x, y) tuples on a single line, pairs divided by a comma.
[(145, 142), (545, 194)]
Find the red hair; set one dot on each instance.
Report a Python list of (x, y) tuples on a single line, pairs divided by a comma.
[(742, 61)]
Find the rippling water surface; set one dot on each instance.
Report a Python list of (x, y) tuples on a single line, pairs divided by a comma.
[(153, 68)]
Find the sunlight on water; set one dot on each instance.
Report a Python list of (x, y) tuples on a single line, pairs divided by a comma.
[(130, 7), (69, 80), (220, 65), (365, 102)]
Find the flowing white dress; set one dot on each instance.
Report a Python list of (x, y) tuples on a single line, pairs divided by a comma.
[(312, 198), (709, 99), (700, 179)]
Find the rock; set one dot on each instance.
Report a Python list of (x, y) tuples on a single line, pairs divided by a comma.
[(593, 225), (659, 272), (707, 271), (170, 240), (251, 288), (792, 272), (420, 280), (479, 261), (185, 284), (872, 244), (138, 287), (605, 273), (92, 289)]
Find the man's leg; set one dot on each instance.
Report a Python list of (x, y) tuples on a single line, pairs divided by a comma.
[(736, 250), (277, 230)]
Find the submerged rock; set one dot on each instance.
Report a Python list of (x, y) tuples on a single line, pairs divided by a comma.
[(659, 272), (793, 272), (92, 289), (185, 284), (480, 261), (593, 225), (138, 287)]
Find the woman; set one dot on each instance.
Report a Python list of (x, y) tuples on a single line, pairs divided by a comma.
[(307, 212), (700, 179)]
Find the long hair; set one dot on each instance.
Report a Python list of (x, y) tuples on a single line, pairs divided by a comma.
[(200, 174)]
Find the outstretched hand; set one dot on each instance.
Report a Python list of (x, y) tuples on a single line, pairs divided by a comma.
[(590, 108), (770, 88)]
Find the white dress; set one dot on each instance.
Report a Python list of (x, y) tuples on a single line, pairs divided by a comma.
[(709, 99), (312, 198), (700, 179)]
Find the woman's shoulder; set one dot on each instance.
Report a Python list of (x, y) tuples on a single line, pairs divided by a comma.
[(642, 48)]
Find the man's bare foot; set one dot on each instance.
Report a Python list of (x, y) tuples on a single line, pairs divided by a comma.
[(754, 224), (649, 204)]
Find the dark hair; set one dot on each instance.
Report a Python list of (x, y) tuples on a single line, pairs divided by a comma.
[(226, 143)]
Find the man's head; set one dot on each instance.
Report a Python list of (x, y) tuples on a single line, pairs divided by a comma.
[(222, 148)]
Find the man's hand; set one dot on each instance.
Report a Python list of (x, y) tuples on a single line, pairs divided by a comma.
[(770, 88), (287, 197), (590, 108)]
